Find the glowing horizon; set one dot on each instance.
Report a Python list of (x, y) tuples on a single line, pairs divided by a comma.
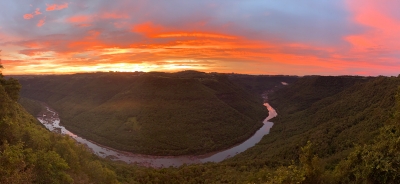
[(345, 37)]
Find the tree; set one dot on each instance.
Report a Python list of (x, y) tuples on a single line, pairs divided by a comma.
[(1, 66), (12, 87)]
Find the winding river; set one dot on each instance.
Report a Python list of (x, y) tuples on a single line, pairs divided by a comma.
[(50, 119)]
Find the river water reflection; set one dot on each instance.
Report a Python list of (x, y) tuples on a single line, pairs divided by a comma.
[(49, 118)]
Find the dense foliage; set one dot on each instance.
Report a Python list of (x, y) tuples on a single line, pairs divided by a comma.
[(262, 84), (153, 113), (31, 154), (348, 134), (329, 130)]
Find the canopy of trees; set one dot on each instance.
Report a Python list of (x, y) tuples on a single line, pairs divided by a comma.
[(329, 130), (154, 113)]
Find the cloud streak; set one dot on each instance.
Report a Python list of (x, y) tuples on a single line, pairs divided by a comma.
[(53, 7), (28, 16)]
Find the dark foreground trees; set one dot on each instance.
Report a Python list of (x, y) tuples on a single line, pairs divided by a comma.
[(31, 154)]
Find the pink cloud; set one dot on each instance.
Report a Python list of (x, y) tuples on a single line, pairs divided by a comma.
[(37, 11), (40, 23), (31, 15), (382, 25), (28, 16), (148, 28), (79, 19), (53, 7)]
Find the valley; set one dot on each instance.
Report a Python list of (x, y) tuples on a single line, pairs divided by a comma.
[(49, 118), (330, 129), (186, 113)]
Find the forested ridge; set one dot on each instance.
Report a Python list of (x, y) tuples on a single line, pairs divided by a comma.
[(152, 113), (350, 134), (329, 130)]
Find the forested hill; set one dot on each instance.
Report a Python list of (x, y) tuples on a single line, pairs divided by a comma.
[(153, 113), (350, 134), (340, 130), (335, 113), (30, 153)]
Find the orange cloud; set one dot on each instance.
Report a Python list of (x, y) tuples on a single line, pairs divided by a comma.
[(31, 15), (360, 41), (40, 23), (148, 28), (54, 7), (194, 34), (90, 42), (28, 16), (79, 18), (31, 45), (37, 11), (381, 27), (157, 31), (201, 43)]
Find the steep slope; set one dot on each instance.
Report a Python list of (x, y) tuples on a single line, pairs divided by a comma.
[(353, 137), (352, 132), (333, 112), (152, 113), (31, 154)]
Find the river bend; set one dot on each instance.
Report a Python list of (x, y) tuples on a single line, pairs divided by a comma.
[(50, 119)]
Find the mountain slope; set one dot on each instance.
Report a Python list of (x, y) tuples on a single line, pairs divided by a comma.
[(350, 111), (152, 113), (31, 154), (350, 135)]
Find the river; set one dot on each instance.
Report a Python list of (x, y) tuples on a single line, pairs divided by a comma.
[(50, 119)]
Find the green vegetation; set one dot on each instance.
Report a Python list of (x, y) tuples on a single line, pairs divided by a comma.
[(262, 84), (31, 154), (154, 113), (340, 130), (329, 130), (32, 106)]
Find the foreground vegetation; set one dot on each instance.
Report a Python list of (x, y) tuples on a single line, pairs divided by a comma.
[(329, 130), (31, 154), (152, 113)]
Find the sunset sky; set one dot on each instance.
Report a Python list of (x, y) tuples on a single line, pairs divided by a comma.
[(295, 37)]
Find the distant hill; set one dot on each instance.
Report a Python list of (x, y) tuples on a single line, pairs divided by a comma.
[(262, 84), (152, 113)]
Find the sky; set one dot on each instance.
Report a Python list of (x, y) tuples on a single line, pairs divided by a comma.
[(289, 37)]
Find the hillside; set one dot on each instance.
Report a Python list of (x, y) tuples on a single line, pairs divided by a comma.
[(30, 153), (333, 112), (348, 134), (262, 84), (340, 130), (152, 113)]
